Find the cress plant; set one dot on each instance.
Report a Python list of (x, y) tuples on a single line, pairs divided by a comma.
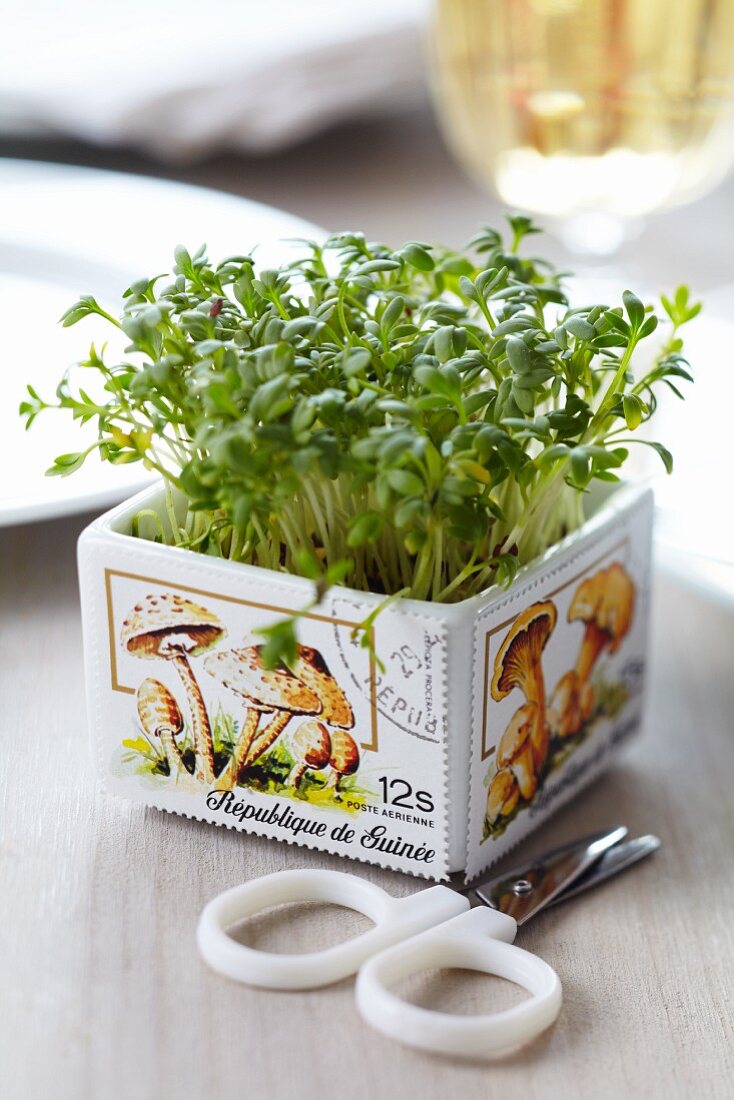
[(416, 422)]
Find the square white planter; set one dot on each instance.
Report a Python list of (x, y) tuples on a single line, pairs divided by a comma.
[(430, 729)]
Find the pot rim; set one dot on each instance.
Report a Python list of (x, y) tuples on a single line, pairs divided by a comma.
[(608, 504)]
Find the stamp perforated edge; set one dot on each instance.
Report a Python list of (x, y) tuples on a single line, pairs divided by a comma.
[(95, 554), (538, 575)]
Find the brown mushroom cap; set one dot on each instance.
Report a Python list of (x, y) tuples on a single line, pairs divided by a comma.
[(312, 743), (522, 648), (311, 668), (243, 671), (607, 600), (344, 757), (157, 708), (157, 619)]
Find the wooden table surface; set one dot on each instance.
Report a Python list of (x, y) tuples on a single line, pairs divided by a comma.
[(103, 996)]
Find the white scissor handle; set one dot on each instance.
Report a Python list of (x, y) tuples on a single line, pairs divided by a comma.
[(471, 941), (395, 919)]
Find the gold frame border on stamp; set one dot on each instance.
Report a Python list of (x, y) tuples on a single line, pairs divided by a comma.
[(369, 746), (487, 752)]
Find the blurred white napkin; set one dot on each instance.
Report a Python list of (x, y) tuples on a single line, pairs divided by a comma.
[(181, 78)]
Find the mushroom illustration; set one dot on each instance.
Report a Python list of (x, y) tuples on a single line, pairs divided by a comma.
[(160, 716), (263, 690), (502, 796), (175, 629), (515, 750), (311, 745), (605, 604), (344, 759), (310, 667), (518, 664)]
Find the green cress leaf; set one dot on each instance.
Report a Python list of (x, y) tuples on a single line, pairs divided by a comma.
[(648, 326), (580, 327), (418, 257), (85, 307), (373, 267), (443, 343), (66, 464), (468, 289), (634, 307), (633, 410), (518, 353), (405, 483), (281, 643)]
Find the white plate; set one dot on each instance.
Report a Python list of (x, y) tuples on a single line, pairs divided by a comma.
[(68, 231)]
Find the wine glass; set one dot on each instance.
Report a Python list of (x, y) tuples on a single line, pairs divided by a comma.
[(593, 113), (596, 114)]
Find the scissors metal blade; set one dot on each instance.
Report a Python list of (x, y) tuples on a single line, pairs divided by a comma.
[(614, 860), (526, 889)]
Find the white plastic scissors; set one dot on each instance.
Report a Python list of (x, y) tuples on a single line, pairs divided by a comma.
[(436, 927)]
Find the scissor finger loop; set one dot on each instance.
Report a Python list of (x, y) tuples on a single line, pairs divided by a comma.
[(482, 941), (394, 919)]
